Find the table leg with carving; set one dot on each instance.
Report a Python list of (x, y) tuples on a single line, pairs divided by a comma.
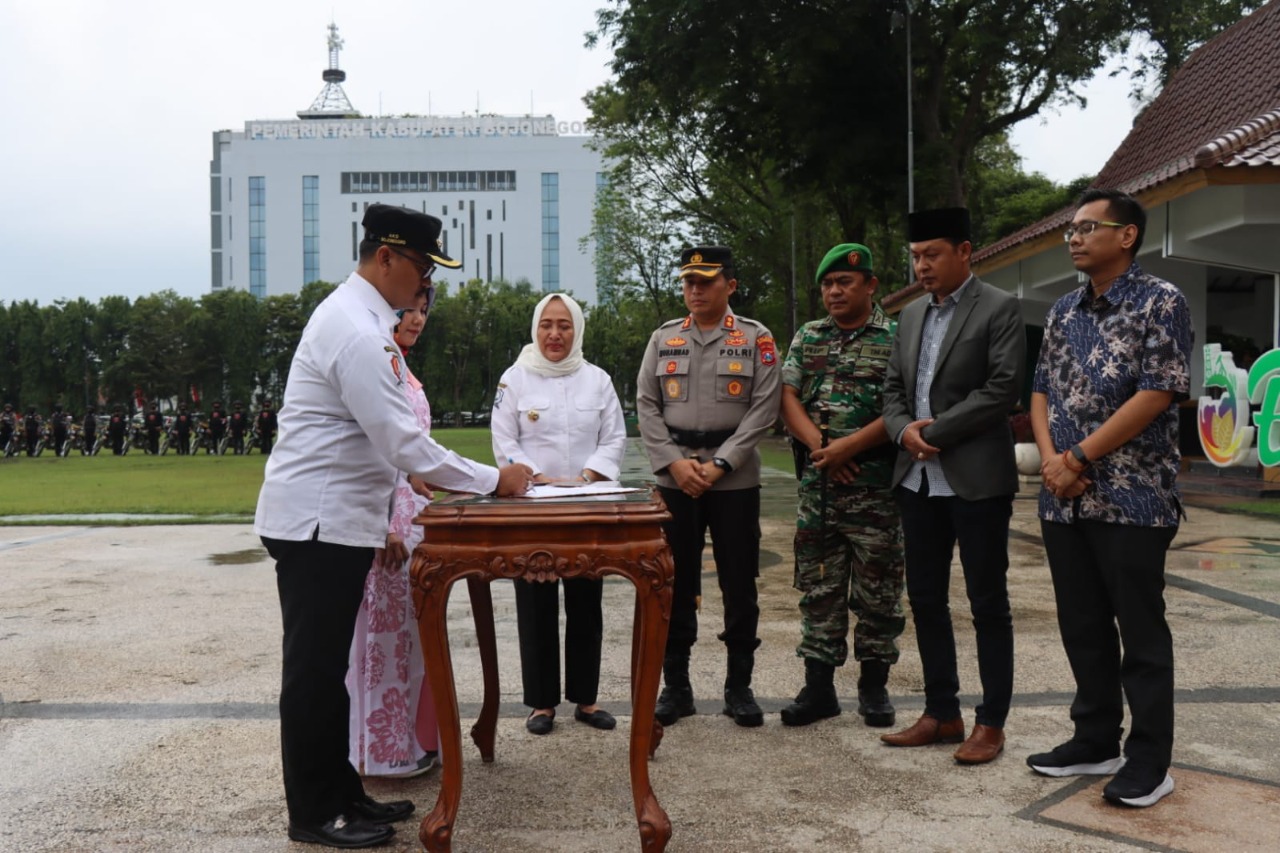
[(637, 643), (485, 728), (431, 595), (653, 609)]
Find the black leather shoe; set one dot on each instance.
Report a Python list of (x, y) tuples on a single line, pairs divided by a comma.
[(541, 724), (597, 719), (375, 812), (340, 832)]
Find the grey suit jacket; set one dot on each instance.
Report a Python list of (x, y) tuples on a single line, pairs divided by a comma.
[(976, 383)]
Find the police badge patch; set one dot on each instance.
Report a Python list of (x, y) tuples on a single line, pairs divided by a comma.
[(395, 363), (768, 352)]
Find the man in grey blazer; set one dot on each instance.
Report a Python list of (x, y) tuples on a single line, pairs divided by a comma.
[(955, 373)]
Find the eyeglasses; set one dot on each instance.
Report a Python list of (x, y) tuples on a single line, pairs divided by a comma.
[(426, 269), (1087, 227)]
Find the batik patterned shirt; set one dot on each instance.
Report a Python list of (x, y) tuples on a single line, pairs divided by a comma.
[(1097, 354)]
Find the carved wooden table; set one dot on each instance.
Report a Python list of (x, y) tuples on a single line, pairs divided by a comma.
[(481, 539)]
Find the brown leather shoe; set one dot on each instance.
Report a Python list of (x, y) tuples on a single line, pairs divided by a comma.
[(927, 730), (983, 745)]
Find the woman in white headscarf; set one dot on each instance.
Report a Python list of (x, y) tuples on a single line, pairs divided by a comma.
[(560, 415)]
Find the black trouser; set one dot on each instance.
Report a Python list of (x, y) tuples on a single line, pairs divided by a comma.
[(538, 621), (59, 439), (734, 519), (184, 442), (265, 441), (153, 442), (321, 586), (237, 442), (89, 439), (931, 527), (1104, 576)]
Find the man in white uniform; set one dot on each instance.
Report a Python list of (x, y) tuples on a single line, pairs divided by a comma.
[(346, 429)]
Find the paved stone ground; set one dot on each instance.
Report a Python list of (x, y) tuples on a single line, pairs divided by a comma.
[(139, 668)]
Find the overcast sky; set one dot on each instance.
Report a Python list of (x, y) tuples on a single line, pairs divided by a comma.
[(109, 110)]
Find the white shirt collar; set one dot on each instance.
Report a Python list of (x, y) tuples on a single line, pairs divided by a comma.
[(369, 297)]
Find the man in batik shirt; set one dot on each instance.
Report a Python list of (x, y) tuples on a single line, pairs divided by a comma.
[(1113, 366)]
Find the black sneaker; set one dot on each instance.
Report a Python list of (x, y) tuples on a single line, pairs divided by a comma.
[(1077, 758), (1138, 786)]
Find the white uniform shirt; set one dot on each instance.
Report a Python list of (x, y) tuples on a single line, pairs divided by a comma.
[(559, 425), (346, 429)]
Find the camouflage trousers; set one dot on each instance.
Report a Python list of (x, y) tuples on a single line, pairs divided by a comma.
[(852, 562)]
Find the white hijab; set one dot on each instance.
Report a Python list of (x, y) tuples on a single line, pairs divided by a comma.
[(531, 357)]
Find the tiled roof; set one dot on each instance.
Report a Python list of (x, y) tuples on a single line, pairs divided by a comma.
[(1254, 143), (1222, 108)]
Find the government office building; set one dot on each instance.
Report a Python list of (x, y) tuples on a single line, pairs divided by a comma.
[(515, 194)]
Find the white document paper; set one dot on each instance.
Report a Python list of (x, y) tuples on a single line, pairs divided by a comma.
[(575, 490)]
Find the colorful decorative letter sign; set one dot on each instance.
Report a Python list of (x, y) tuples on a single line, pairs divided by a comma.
[(1225, 433)]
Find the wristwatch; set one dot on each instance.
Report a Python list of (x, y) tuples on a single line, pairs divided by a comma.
[(1078, 452), (722, 464)]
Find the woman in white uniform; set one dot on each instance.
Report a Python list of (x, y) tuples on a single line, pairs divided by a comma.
[(559, 415)]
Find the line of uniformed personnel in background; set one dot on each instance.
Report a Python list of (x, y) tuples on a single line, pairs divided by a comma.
[(184, 432)]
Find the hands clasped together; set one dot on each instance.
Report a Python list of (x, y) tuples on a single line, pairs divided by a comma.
[(1061, 479), (694, 477)]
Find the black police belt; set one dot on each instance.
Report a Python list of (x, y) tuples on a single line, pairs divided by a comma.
[(698, 439)]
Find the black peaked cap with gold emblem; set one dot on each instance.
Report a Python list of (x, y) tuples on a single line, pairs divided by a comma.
[(400, 226), (705, 261)]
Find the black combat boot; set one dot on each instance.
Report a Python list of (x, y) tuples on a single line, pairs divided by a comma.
[(873, 698), (739, 702), (817, 699), (676, 699)]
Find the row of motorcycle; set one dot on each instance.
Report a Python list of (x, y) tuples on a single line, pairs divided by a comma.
[(199, 439)]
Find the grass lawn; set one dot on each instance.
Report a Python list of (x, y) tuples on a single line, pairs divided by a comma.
[(1269, 507), (775, 452), (187, 485), (197, 485)]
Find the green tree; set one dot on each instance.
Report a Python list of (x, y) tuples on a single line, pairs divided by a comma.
[(810, 95), (159, 356), (37, 364), (1004, 199), (10, 374), (110, 338), (615, 340), (71, 339), (229, 338), (283, 325)]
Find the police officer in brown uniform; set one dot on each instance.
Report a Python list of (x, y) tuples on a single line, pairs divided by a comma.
[(707, 392)]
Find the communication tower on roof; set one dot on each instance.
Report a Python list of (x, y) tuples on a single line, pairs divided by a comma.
[(332, 102)]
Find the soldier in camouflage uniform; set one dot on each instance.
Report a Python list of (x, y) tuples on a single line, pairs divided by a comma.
[(848, 541)]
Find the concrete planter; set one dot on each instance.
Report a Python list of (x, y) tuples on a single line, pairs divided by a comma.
[(1027, 456)]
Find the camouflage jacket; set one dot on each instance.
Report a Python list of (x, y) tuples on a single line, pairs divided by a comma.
[(843, 372)]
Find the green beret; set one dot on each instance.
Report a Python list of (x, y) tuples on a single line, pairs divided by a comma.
[(847, 256)]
